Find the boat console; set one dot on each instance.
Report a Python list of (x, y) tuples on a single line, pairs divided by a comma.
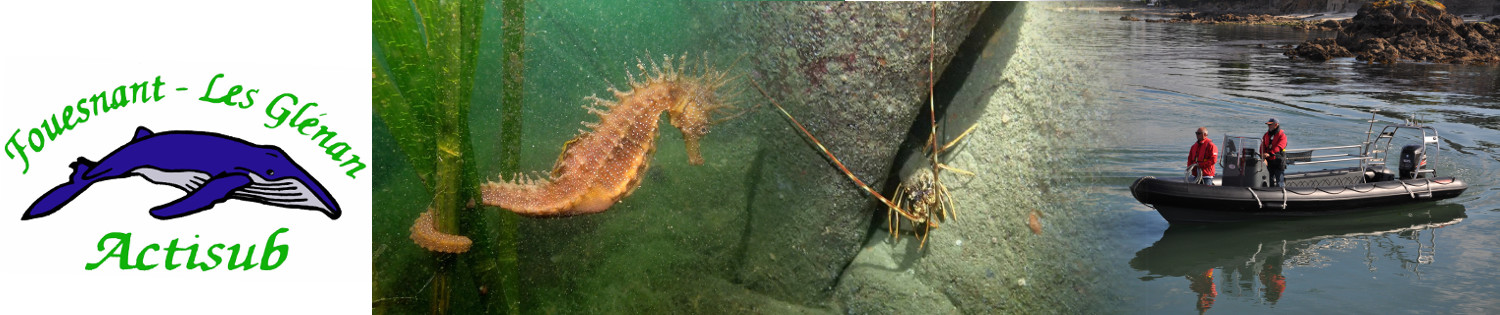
[(1241, 164)]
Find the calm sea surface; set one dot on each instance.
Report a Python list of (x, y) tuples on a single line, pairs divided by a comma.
[(1430, 258)]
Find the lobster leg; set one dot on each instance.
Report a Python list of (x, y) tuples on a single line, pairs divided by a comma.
[(960, 137)]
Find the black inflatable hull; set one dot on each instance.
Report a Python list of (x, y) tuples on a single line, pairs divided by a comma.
[(1180, 202)]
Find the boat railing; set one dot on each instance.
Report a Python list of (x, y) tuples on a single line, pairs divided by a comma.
[(1300, 156), (1382, 145), (1308, 156), (1374, 150)]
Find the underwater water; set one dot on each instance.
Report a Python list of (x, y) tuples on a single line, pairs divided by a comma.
[(574, 49), (1067, 107), (1425, 257), (767, 224)]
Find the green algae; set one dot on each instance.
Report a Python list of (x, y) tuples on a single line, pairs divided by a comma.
[(423, 77)]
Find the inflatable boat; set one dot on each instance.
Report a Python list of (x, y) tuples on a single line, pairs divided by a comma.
[(1243, 192)]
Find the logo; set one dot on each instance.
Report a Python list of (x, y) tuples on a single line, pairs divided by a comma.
[(215, 161), (210, 167)]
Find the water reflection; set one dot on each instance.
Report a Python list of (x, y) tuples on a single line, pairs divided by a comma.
[(1246, 260)]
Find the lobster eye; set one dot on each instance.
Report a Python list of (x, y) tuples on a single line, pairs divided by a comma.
[(270, 172)]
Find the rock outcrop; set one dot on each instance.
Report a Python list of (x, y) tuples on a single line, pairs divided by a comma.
[(1393, 31), (1320, 50)]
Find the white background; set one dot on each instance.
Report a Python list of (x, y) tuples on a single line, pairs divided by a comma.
[(53, 52)]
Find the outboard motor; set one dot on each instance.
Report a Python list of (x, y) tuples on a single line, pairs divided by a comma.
[(1412, 159)]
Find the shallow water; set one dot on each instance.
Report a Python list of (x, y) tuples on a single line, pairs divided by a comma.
[(1426, 257)]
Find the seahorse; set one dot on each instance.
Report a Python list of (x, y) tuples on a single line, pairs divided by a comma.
[(424, 232), (605, 164)]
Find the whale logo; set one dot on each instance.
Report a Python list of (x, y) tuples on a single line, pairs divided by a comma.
[(210, 167)]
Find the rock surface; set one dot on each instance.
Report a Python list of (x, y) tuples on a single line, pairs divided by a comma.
[(855, 74), (1392, 31), (1039, 106), (1320, 50)]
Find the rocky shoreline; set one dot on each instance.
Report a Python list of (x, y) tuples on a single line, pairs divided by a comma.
[(1248, 19), (1395, 31)]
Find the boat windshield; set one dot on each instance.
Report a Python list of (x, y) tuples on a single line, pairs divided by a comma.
[(1237, 150)]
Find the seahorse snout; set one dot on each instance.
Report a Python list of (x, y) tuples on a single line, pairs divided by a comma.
[(693, 117)]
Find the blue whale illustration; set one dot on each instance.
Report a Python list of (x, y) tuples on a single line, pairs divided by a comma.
[(210, 167)]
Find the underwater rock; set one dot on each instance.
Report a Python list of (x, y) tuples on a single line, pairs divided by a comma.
[(1129, 18), (876, 278), (1394, 31), (856, 75), (1042, 104), (718, 296)]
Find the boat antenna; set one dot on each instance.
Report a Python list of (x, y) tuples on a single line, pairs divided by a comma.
[(1369, 144)]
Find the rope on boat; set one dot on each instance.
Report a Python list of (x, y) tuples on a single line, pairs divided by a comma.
[(1283, 196), (1137, 183), (1323, 189), (1429, 186), (1258, 204), (1351, 188)]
